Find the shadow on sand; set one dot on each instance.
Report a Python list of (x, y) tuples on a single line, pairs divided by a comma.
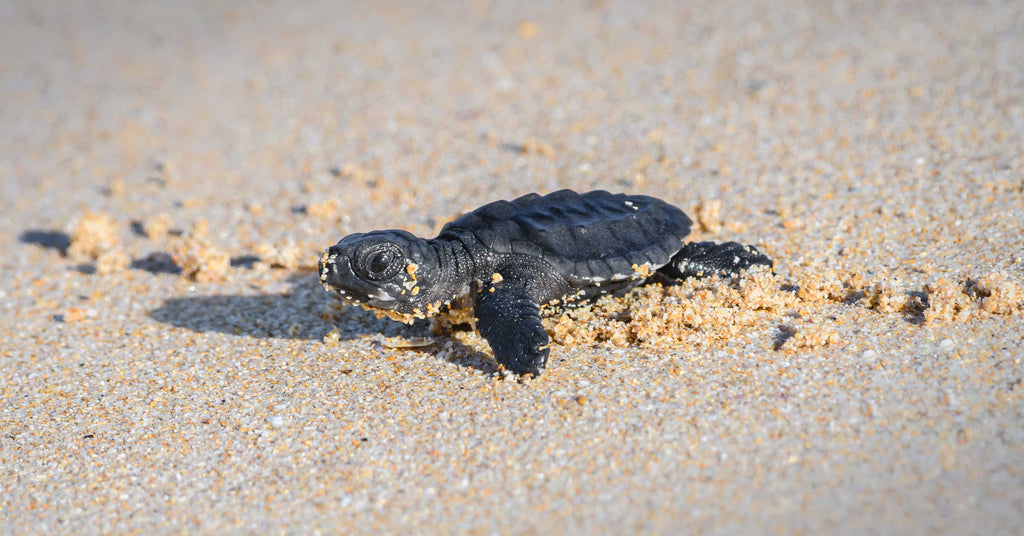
[(305, 311)]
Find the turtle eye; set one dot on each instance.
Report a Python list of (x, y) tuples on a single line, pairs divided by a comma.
[(378, 261)]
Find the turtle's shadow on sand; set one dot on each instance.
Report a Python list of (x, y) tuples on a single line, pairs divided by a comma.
[(305, 311)]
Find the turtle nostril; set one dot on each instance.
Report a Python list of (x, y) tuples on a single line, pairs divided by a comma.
[(332, 264)]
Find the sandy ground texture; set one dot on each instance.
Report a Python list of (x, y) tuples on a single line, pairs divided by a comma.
[(171, 171)]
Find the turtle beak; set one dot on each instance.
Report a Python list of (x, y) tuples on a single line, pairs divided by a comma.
[(327, 266), (335, 270), (336, 275)]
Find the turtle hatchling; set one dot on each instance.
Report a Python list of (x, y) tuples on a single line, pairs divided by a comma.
[(507, 259)]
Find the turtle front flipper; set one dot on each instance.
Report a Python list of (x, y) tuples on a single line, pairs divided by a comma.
[(510, 321), (704, 259)]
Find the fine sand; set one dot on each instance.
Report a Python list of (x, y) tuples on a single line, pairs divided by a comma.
[(170, 172)]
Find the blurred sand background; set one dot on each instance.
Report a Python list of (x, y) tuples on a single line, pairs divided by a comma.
[(169, 172)]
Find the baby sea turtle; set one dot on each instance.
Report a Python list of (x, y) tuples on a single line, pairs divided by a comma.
[(507, 259)]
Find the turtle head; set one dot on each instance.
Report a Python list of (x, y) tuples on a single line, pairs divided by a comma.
[(392, 270)]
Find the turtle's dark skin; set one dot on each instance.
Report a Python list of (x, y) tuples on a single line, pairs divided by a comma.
[(507, 259)]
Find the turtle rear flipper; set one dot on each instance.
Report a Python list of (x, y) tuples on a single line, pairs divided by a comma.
[(510, 321), (704, 259)]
